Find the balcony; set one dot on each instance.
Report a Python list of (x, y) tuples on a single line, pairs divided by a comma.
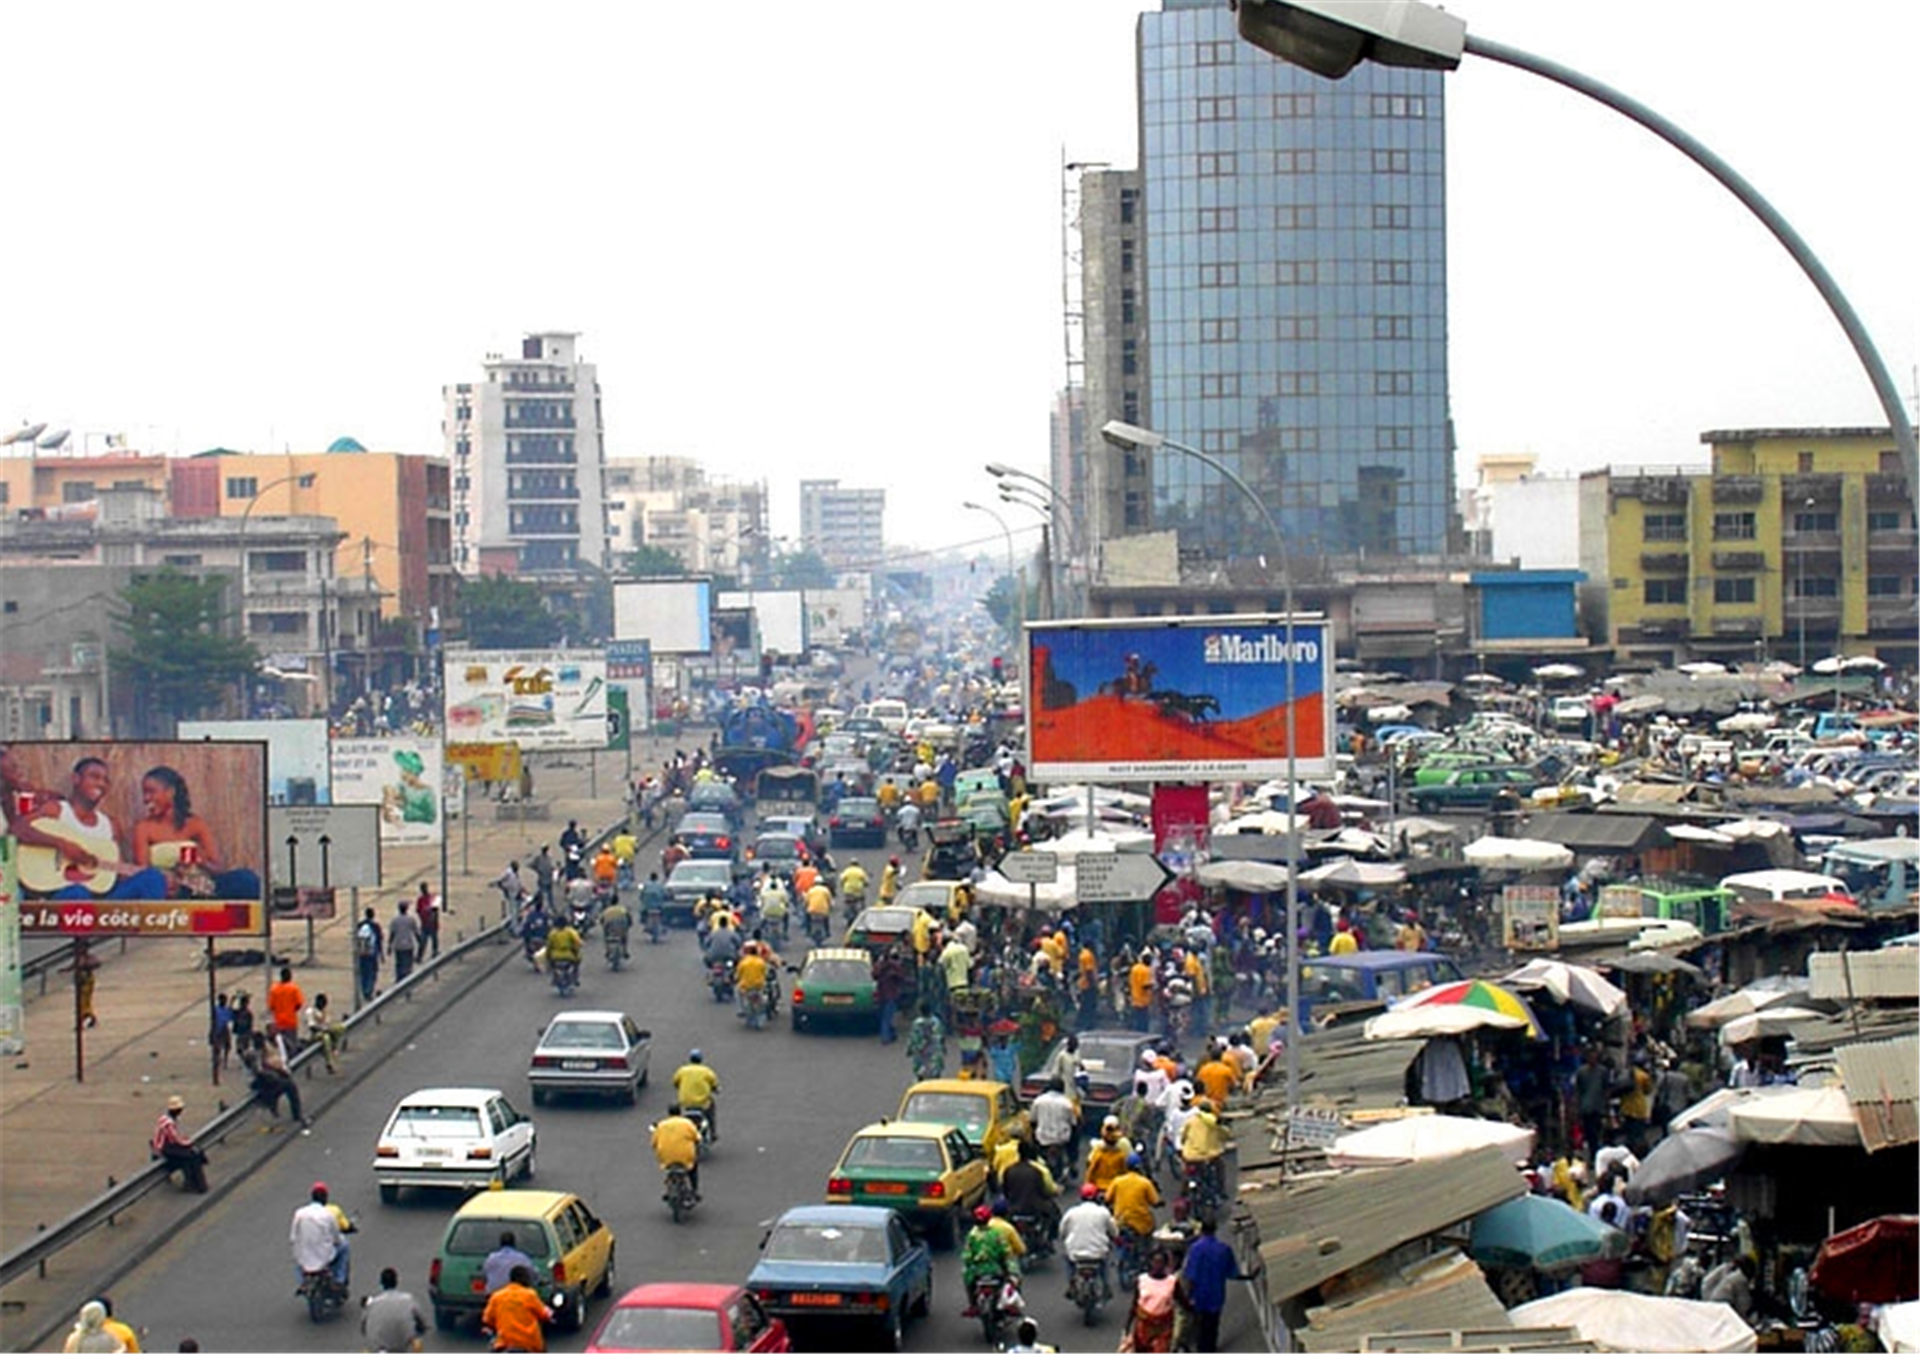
[(1888, 491), (1738, 489), (1824, 490), (1895, 614), (1664, 561), (542, 458), (557, 494), (1736, 625), (1738, 561), (1810, 609)]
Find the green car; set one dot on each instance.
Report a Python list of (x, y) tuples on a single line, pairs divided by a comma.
[(1436, 767), (1474, 787), (835, 985)]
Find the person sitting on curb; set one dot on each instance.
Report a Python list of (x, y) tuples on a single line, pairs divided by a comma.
[(172, 1145)]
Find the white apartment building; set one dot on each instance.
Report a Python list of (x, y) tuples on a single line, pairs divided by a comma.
[(713, 525), (528, 457), (845, 527)]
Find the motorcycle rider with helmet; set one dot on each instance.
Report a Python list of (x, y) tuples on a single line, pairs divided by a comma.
[(696, 1087), (318, 1237)]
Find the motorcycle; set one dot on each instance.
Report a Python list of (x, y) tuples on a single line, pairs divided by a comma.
[(324, 1294), (1087, 1288), (817, 928), (774, 927), (754, 1007), (702, 1121), (566, 975), (680, 1197), (851, 905), (997, 1303), (580, 914), (617, 954), (909, 835), (1201, 1190), (1036, 1235), (720, 979), (655, 920)]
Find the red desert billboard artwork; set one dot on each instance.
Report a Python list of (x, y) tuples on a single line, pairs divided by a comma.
[(1195, 699)]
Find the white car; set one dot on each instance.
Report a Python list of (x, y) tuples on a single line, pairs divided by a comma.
[(599, 1052), (453, 1137)]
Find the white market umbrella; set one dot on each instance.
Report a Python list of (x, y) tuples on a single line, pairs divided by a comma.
[(1483, 679), (1746, 721), (1430, 1022), (1761, 1024), (1755, 996), (1516, 853), (1426, 1137), (1712, 1111), (1617, 1319), (1804, 1117), (1248, 876), (1414, 828), (1750, 829), (1664, 935), (1262, 822), (1569, 983), (1838, 663), (1558, 672), (1364, 874), (1703, 668), (1389, 714), (1058, 896), (1079, 840), (1640, 705)]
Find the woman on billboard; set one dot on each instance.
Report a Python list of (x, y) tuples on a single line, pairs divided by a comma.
[(175, 839)]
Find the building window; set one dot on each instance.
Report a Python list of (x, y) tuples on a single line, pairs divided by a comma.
[(1220, 331), (1295, 273), (1293, 162), (1663, 526), (1816, 523), (78, 491), (1816, 587), (1127, 305), (1219, 165), (1392, 272), (1214, 220), (1393, 438), (1398, 106), (1386, 217), (1220, 385), (1733, 591), (1297, 383), (1219, 274), (1129, 198), (1130, 357), (1890, 463), (1880, 520), (1664, 591), (1293, 105), (1392, 162), (1298, 328), (1393, 326), (1298, 439), (279, 562), (1215, 108), (1213, 53), (1393, 383), (1883, 585), (242, 486), (181, 561), (1806, 462), (1130, 406), (1733, 526), (1126, 256), (1295, 218)]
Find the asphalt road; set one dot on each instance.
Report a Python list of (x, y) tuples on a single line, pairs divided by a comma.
[(788, 1104)]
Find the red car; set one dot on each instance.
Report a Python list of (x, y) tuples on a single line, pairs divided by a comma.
[(688, 1316)]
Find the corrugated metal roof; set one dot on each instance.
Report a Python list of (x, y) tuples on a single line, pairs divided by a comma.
[(1597, 831), (1865, 975), (1315, 1228), (1445, 1291), (1816, 1038), (1883, 1083)]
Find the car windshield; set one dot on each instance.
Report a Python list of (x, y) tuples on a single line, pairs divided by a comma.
[(481, 1236), (859, 808), (1333, 984), (1100, 1055), (967, 1112), (824, 1243), (705, 822), (705, 873), (583, 1034), (661, 1328), (908, 1154), (435, 1121), (924, 895), (838, 971), (780, 847)]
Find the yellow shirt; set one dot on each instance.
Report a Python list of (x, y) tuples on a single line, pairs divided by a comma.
[(1131, 1197), (922, 933), (1260, 1030), (853, 881), (125, 1332), (1217, 1080), (676, 1141), (888, 794), (625, 848), (1140, 985), (694, 1085), (1107, 1161), (929, 794), (750, 972), (819, 901), (1089, 970), (889, 884), (1343, 943), (1202, 1139), (1015, 1246), (1197, 974)]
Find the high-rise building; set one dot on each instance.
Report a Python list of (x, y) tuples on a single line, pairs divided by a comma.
[(528, 460), (1294, 294), (1112, 495), (845, 527), (712, 524)]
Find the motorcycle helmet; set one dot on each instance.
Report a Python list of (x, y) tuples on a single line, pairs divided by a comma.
[(982, 1213), (1135, 1161), (319, 1192), (694, 1056), (1089, 1191)]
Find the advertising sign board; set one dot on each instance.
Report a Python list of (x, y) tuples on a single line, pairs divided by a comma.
[(13, 1020), (1530, 917), (400, 776), (628, 660), (296, 752), (538, 699), (495, 763), (325, 846), (176, 833), (1199, 698), (674, 614), (1620, 900)]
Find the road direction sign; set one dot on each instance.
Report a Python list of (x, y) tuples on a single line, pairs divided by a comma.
[(1118, 876), (1030, 867), (325, 845)]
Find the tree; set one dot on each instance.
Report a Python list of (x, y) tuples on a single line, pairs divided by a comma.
[(802, 569), (505, 613), (653, 561), (176, 655), (1002, 602)]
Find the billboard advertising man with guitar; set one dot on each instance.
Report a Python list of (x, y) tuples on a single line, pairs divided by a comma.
[(71, 848)]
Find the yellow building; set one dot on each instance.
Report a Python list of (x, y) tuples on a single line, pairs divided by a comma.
[(1792, 543)]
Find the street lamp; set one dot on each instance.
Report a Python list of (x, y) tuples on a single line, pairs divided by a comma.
[(300, 480), (1019, 583), (1125, 435), (1049, 606), (1007, 475), (1331, 37)]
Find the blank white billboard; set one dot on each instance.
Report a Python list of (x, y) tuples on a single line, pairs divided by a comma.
[(674, 615)]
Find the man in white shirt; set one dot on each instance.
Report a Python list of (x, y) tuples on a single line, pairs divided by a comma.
[(1088, 1234), (316, 1237), (1054, 1120)]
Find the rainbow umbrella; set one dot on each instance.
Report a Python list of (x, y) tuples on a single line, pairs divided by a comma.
[(1478, 994)]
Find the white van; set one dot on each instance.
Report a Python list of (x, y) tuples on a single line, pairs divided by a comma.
[(1776, 886), (892, 714)]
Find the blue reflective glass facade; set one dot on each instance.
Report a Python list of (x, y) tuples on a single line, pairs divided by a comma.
[(1296, 292)]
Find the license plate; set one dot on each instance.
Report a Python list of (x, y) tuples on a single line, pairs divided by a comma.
[(837, 999), (579, 1065), (435, 1152), (816, 1299), (886, 1187)]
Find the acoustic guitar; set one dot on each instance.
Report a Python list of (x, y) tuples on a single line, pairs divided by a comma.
[(45, 870)]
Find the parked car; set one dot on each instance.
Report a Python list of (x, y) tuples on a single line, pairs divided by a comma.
[(708, 836), (600, 1052), (693, 880), (988, 1112), (452, 1137), (842, 1263), (1474, 787), (1570, 712), (1108, 1057), (878, 927), (718, 1316), (1436, 767), (858, 821), (571, 1250), (1371, 976), (835, 984), (928, 1173)]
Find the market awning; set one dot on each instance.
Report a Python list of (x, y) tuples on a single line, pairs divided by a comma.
[(1593, 833)]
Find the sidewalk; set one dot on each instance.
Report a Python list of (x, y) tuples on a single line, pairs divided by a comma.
[(66, 1141)]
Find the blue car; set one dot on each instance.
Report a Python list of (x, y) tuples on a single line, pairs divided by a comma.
[(844, 1262)]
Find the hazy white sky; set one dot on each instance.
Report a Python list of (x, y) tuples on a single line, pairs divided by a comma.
[(825, 239)]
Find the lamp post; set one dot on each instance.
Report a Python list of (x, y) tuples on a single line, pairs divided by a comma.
[(1331, 37), (1127, 435), (1063, 510), (302, 480), (1047, 605), (1020, 584)]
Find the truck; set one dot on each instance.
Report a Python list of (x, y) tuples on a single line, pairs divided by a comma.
[(753, 737)]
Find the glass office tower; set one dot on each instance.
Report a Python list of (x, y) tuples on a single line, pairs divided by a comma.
[(1296, 293)]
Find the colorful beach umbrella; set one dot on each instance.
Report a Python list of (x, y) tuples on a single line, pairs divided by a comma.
[(1479, 993)]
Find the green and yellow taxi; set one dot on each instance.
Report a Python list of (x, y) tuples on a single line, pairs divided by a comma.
[(928, 1173), (988, 1112), (834, 985), (571, 1250)]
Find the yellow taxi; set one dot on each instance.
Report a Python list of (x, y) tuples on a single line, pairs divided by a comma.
[(988, 1112), (571, 1249), (928, 1173)]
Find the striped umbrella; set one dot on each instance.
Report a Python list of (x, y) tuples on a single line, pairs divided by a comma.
[(1479, 993)]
